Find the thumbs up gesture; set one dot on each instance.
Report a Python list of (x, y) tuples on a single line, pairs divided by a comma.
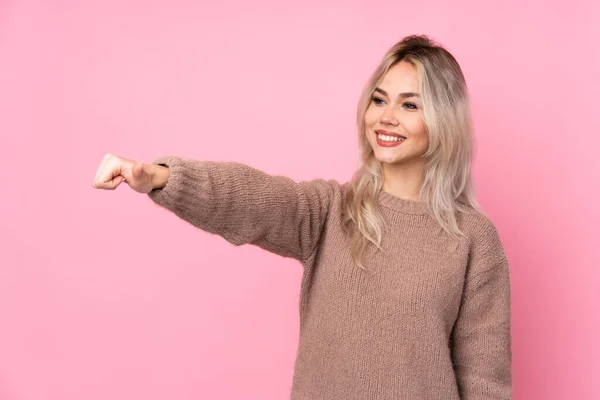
[(114, 170)]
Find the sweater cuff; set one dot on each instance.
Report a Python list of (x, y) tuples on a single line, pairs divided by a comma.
[(167, 196)]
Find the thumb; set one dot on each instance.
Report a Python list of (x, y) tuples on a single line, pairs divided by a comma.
[(138, 169)]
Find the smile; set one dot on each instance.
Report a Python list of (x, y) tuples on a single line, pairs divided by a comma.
[(388, 139)]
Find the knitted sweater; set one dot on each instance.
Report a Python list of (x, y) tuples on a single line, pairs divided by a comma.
[(428, 319)]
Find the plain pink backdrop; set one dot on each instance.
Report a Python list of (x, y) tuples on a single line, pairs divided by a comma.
[(104, 295)]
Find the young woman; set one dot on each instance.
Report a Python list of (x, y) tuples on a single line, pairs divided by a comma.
[(405, 292)]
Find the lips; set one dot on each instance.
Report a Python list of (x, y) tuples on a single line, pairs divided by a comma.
[(388, 133), (388, 139)]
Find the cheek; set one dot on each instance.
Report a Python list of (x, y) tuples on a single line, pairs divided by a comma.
[(419, 130), (371, 117)]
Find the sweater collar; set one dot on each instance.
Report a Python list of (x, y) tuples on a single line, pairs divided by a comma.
[(402, 205)]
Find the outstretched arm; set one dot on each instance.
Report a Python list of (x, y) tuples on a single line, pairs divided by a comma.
[(246, 205)]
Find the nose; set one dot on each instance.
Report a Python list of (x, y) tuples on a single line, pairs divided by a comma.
[(388, 117)]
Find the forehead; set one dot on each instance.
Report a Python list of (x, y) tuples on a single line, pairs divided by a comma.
[(402, 77)]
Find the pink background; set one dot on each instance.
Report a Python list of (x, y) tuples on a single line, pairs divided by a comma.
[(104, 295)]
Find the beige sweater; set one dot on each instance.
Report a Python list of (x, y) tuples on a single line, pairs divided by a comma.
[(429, 319)]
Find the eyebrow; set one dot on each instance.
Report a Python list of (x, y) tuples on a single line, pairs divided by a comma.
[(404, 95)]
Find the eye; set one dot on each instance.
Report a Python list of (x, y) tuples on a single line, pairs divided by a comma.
[(410, 106), (377, 100)]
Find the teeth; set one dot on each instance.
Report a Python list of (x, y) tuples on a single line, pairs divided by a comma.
[(386, 138)]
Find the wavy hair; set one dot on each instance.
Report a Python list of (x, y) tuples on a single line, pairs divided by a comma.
[(448, 186)]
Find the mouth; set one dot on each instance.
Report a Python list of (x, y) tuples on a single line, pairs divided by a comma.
[(386, 138)]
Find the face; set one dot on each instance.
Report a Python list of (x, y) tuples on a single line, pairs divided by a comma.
[(393, 121)]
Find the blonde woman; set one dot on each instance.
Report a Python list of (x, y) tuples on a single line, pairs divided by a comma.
[(405, 292)]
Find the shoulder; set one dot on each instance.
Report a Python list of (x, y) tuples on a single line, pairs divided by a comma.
[(326, 187), (323, 194), (476, 222), (485, 244)]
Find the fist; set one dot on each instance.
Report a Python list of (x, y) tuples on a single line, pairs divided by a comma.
[(115, 170)]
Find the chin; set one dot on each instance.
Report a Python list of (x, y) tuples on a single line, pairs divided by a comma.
[(387, 157), (390, 162)]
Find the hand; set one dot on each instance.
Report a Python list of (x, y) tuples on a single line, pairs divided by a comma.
[(114, 170)]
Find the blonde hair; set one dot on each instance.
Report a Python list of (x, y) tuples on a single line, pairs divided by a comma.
[(448, 186)]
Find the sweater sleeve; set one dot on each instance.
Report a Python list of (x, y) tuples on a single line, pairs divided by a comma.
[(247, 206), (481, 339)]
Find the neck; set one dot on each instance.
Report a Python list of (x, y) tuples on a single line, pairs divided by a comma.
[(403, 181)]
